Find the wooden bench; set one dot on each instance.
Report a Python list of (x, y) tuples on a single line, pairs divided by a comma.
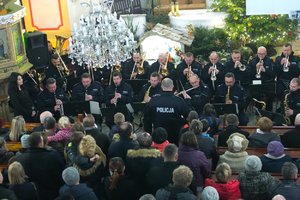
[(29, 126), (3, 167), (13, 146), (280, 130), (293, 152)]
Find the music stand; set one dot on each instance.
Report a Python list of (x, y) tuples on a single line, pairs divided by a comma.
[(73, 108), (222, 108), (136, 84)]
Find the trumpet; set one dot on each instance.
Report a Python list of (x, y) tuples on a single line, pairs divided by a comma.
[(285, 66), (213, 76), (258, 71), (241, 66)]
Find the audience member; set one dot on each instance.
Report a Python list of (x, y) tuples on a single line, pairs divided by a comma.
[(92, 174), (80, 191), (140, 161), (118, 185), (291, 138), (227, 188), (147, 197), (263, 135), (182, 178), (42, 166), (119, 118), (210, 114), (160, 138), (4, 192), (90, 127), (120, 148), (192, 115), (236, 154), (17, 129), (161, 176), (209, 193), (3, 131), (18, 183), (273, 161), (50, 126), (63, 135), (43, 116), (231, 123), (24, 144), (278, 197), (189, 155), (255, 184), (78, 126), (288, 186), (5, 155)]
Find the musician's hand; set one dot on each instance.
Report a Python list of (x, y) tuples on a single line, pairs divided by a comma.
[(289, 112), (57, 108), (58, 102), (118, 95), (94, 158), (263, 69), (217, 71), (33, 113), (237, 64), (185, 71), (258, 65), (113, 101), (228, 101), (175, 93), (88, 97), (134, 75), (185, 95), (211, 69)]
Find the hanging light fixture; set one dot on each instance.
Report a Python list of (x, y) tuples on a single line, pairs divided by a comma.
[(101, 39)]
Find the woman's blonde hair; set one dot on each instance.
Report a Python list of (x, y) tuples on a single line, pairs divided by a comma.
[(17, 128), (87, 146), (16, 173), (223, 172), (63, 122)]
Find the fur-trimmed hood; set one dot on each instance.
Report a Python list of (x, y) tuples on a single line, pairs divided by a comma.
[(144, 153), (100, 161)]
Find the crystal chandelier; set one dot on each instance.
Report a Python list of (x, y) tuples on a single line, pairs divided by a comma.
[(101, 39)]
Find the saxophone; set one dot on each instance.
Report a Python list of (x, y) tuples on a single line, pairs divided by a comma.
[(286, 107), (146, 96)]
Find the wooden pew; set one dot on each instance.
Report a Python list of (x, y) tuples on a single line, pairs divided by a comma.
[(13, 146), (293, 152), (280, 130), (3, 167), (29, 126)]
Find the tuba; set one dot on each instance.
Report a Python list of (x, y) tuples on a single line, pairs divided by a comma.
[(60, 41)]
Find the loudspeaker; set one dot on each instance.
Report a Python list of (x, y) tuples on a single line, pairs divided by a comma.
[(36, 44)]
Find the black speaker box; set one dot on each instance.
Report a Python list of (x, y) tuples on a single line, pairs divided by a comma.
[(37, 48)]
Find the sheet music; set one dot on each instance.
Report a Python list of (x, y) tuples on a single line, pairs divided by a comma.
[(94, 107)]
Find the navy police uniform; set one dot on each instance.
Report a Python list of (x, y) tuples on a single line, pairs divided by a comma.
[(95, 89), (167, 111), (196, 69)]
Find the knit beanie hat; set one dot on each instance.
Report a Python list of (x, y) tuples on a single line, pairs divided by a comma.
[(209, 193), (25, 141), (253, 164), (71, 176), (237, 142), (275, 148)]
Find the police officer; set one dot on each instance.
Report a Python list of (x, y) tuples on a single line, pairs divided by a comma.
[(233, 93), (130, 67), (167, 111), (291, 101), (164, 67), (199, 93), (213, 69), (52, 99), (119, 93), (56, 71), (186, 67), (152, 88), (238, 67), (87, 90), (287, 68)]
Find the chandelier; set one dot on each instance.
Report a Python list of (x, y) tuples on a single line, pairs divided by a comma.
[(101, 39)]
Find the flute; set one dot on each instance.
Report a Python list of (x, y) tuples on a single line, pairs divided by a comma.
[(192, 88)]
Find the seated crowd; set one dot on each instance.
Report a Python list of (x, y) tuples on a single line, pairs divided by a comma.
[(61, 160)]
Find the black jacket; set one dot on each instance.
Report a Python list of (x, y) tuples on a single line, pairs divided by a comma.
[(44, 167), (242, 76), (167, 111), (124, 89), (206, 77), (153, 91), (288, 188), (120, 148), (267, 76), (294, 69), (127, 68), (95, 89), (46, 100), (155, 67), (101, 139), (291, 138), (224, 135), (196, 68), (79, 192), (21, 103)]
